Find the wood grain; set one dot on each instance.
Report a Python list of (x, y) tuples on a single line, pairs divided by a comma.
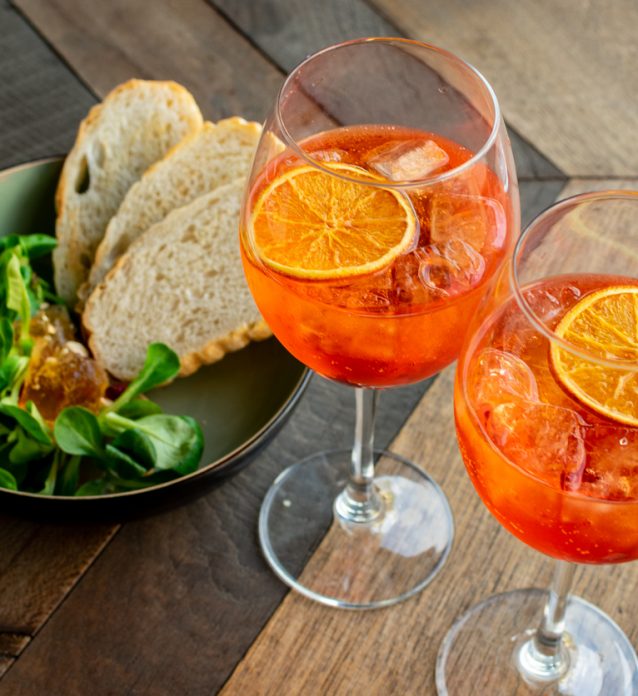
[(217, 592), (41, 101), (39, 565), (40, 105), (175, 601), (536, 195), (184, 40), (574, 186), (564, 72), (310, 649), (5, 663), (290, 30)]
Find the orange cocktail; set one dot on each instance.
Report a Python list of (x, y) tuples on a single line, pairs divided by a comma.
[(550, 439), (546, 406), (381, 202), (392, 320)]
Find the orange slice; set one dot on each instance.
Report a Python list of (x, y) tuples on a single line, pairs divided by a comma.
[(309, 224), (605, 325)]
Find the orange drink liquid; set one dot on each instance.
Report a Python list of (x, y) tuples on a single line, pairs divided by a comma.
[(558, 474), (404, 321)]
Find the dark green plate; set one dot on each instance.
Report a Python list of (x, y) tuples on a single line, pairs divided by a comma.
[(240, 401)]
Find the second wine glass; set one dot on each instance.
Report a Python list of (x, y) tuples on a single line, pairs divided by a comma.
[(546, 408), (381, 202)]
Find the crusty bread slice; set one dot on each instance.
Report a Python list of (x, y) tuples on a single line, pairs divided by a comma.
[(135, 125), (181, 283), (204, 160)]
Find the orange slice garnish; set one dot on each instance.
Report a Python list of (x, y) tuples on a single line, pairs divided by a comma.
[(604, 324), (309, 224)]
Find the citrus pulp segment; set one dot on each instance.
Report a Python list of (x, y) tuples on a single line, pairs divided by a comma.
[(603, 324), (312, 225)]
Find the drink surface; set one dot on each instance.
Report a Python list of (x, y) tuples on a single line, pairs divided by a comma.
[(405, 321), (557, 474)]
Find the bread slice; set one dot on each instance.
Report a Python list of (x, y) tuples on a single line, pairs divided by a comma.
[(181, 283), (135, 125), (204, 160)]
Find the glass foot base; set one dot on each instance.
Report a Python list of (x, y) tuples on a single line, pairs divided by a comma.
[(481, 650), (355, 565)]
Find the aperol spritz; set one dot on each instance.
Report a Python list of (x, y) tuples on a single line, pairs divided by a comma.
[(381, 203), (546, 407), (541, 458), (397, 320)]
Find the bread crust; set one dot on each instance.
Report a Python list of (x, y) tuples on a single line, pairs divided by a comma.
[(116, 229), (215, 350), (210, 351), (76, 242)]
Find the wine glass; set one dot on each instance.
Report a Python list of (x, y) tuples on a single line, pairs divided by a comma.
[(381, 202), (546, 410)]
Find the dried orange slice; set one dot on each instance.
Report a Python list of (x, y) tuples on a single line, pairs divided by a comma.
[(309, 224), (605, 325)]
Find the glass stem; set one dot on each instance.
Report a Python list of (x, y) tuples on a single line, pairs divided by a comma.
[(359, 501), (544, 657)]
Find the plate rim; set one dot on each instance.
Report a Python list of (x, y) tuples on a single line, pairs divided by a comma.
[(219, 465)]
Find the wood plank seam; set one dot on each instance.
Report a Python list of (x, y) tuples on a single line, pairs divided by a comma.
[(25, 18), (558, 175), (225, 17), (561, 175), (12, 644), (24, 638)]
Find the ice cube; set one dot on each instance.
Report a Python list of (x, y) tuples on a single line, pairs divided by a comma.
[(332, 155), (497, 375), (611, 472), (546, 441), (549, 303), (476, 220), (410, 160), (450, 268)]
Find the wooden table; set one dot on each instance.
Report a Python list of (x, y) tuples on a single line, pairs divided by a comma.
[(182, 603)]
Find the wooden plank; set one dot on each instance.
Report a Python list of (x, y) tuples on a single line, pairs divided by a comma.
[(39, 565), (41, 568), (40, 104), (186, 41), (176, 600), (537, 195), (41, 101), (574, 186), (574, 105), (12, 644), (5, 663), (290, 30), (144, 600), (210, 546), (309, 649)]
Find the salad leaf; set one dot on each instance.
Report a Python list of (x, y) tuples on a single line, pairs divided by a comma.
[(6, 338), (135, 446), (77, 431), (93, 487), (34, 426), (49, 484), (70, 475), (18, 298), (139, 408), (130, 444), (161, 365), (36, 245), (7, 480)]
